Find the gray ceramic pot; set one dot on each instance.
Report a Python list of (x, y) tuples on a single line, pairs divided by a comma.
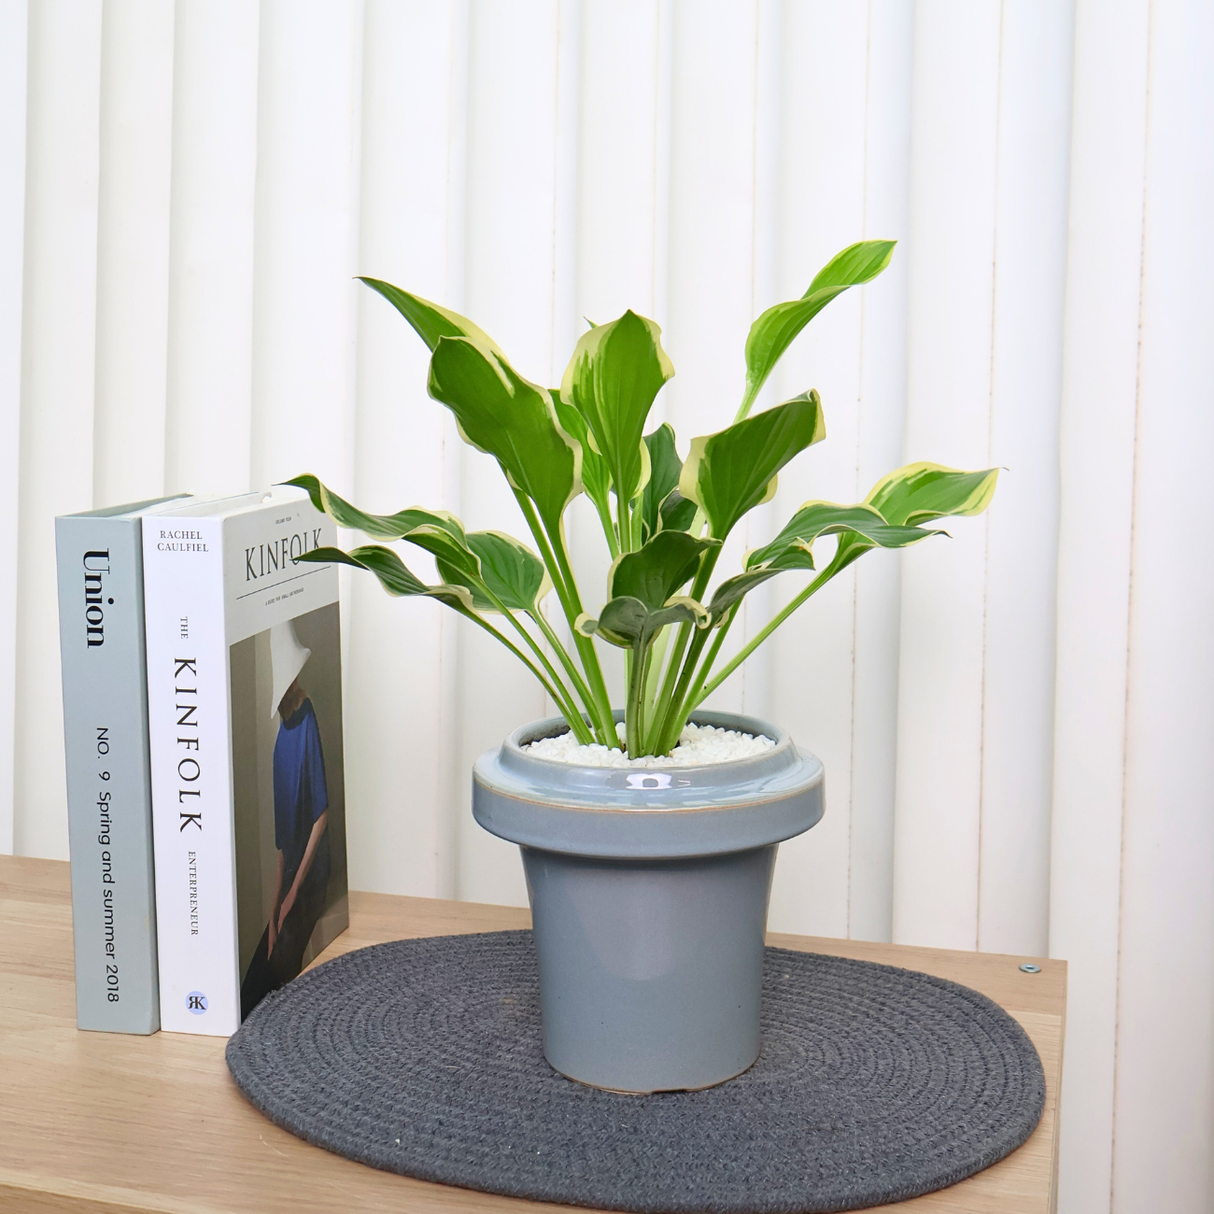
[(649, 893)]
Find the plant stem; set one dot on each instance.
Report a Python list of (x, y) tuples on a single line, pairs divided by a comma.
[(662, 709), (514, 649), (557, 562), (675, 719), (695, 694), (613, 539), (563, 655), (564, 700), (763, 633), (632, 715)]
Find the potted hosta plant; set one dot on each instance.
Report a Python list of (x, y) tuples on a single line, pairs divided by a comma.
[(649, 829)]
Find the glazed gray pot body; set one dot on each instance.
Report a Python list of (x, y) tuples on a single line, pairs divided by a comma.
[(649, 890)]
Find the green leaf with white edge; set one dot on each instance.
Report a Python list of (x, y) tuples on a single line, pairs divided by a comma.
[(919, 493), (596, 480), (779, 326), (393, 574), (730, 472), (379, 526), (659, 569), (664, 469), (512, 419), (796, 555), (815, 519), (509, 569), (628, 622), (431, 321), (924, 491), (616, 371), (454, 553)]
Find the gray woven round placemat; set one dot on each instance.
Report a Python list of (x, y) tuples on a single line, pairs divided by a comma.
[(423, 1057)]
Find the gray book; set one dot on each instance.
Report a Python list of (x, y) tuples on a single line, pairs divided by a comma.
[(105, 730)]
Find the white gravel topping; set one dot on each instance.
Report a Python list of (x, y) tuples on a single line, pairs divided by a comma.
[(697, 744)]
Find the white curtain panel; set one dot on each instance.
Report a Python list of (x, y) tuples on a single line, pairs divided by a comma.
[(1017, 723)]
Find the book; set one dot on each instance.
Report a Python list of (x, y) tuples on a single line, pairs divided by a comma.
[(99, 558), (245, 727)]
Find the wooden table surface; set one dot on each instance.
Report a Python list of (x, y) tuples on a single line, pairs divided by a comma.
[(98, 1123)]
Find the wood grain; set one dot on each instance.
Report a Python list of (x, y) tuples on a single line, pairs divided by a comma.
[(95, 1123)]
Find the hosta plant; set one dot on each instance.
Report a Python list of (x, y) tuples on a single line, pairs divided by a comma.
[(664, 518)]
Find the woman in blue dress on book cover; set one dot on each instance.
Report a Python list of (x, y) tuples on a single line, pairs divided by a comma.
[(301, 819)]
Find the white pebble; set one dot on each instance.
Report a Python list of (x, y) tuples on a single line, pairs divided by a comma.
[(698, 744)]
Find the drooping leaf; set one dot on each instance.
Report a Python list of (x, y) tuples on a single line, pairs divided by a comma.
[(512, 419), (828, 518), (380, 526), (514, 574), (431, 321), (778, 327), (628, 622), (616, 371), (393, 574), (795, 555), (659, 569), (596, 480), (730, 472)]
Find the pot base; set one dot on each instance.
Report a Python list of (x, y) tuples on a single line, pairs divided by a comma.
[(650, 970)]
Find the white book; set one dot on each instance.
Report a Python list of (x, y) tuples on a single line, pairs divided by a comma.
[(245, 738)]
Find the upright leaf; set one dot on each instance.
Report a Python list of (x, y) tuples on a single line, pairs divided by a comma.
[(778, 327), (730, 472), (596, 480), (430, 321), (616, 371), (661, 503), (510, 418), (659, 569)]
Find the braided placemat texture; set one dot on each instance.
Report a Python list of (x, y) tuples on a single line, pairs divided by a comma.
[(423, 1057)]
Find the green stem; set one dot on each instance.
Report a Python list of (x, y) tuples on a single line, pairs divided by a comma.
[(613, 540), (557, 561), (564, 700), (514, 649), (570, 668), (666, 696), (764, 632), (675, 718), (695, 694), (632, 717)]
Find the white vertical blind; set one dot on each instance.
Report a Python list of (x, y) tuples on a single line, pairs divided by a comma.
[(1016, 722)]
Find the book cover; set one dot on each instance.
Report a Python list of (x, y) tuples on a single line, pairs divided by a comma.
[(245, 720), (99, 558)]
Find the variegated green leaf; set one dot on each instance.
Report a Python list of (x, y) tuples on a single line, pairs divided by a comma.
[(629, 623), (596, 480), (828, 518), (659, 569), (509, 569), (431, 321), (512, 419), (779, 326), (379, 526), (616, 371), (730, 472), (393, 575)]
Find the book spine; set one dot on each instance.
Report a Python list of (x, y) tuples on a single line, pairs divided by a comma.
[(101, 635), (192, 826)]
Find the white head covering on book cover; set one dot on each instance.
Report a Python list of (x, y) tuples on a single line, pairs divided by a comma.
[(287, 658)]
